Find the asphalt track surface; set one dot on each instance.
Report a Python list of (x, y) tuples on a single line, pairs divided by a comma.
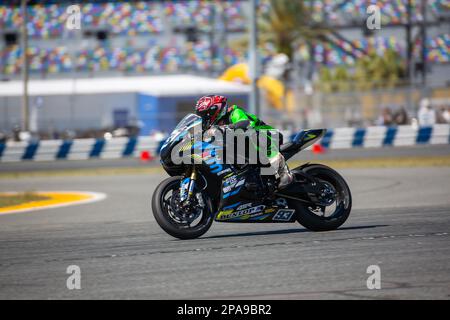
[(400, 222)]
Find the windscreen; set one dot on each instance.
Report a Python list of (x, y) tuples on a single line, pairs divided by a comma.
[(188, 122)]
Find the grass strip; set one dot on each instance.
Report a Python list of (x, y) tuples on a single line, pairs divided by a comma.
[(8, 200)]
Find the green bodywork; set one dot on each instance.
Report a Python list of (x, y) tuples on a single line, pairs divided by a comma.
[(238, 114)]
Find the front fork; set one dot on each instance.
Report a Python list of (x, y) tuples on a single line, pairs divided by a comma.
[(187, 186)]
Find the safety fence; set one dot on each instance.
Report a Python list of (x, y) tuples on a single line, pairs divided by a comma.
[(339, 138), (77, 149), (342, 138)]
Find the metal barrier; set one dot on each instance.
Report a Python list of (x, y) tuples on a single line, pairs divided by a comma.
[(340, 138), (77, 149), (375, 137)]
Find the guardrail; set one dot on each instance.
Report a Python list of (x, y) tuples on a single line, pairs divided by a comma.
[(77, 149), (375, 137), (340, 138)]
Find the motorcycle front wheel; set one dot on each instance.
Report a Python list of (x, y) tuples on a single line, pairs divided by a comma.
[(172, 218), (325, 218)]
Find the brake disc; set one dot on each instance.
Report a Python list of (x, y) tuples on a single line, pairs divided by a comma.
[(327, 193), (185, 213)]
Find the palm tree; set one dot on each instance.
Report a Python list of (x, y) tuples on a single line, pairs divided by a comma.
[(286, 24), (289, 23), (371, 71), (375, 71)]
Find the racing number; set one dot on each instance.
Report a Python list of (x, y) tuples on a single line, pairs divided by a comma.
[(283, 215)]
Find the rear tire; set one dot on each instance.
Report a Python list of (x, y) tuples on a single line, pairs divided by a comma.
[(165, 221), (311, 220)]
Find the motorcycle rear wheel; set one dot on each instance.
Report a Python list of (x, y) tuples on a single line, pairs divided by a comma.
[(311, 218)]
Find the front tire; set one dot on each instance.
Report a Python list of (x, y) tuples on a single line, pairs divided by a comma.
[(309, 218), (161, 211)]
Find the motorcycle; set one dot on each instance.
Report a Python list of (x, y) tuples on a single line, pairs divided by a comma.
[(196, 194)]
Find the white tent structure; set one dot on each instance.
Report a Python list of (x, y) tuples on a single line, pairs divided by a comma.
[(156, 102), (169, 85)]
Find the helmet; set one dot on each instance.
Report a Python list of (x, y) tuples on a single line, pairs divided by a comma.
[(211, 108)]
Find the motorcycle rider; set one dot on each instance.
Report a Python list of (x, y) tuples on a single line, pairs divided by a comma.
[(213, 110)]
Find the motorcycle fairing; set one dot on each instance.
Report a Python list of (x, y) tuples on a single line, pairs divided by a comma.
[(236, 206), (255, 212), (301, 141)]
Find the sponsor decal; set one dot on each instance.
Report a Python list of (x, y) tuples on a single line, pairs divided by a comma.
[(231, 183), (281, 202), (240, 183), (225, 212), (283, 215), (224, 171), (244, 206), (251, 212)]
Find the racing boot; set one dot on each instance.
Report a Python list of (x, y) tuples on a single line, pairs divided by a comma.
[(284, 175)]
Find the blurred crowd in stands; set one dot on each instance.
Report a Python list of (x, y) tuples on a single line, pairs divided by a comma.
[(187, 57), (151, 18), (427, 115), (123, 18), (49, 21), (129, 18), (156, 58), (344, 53), (392, 11)]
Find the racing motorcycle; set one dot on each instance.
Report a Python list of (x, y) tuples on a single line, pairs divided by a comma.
[(198, 193)]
